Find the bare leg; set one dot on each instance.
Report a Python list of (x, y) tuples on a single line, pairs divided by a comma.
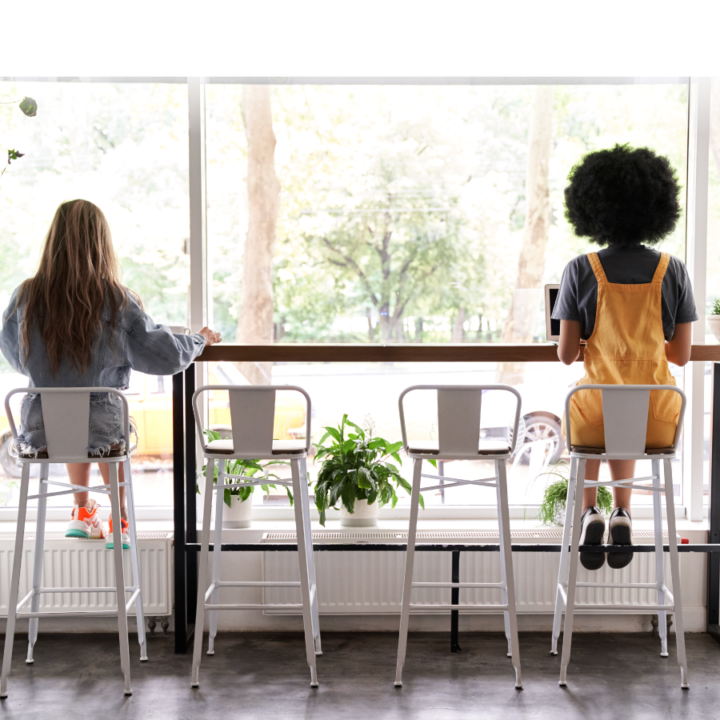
[(79, 474), (592, 472), (105, 472), (622, 470), (619, 470)]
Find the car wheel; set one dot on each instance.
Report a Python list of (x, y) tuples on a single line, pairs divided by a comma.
[(539, 429), (10, 465)]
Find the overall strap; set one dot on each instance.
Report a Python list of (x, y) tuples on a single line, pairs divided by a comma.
[(597, 267), (661, 268)]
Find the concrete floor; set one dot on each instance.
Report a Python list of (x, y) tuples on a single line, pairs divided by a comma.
[(264, 675)]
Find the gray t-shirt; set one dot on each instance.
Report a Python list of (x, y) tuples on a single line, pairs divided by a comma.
[(577, 299)]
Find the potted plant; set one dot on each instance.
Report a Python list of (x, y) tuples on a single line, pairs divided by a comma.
[(356, 471), (552, 508), (714, 319), (239, 500)]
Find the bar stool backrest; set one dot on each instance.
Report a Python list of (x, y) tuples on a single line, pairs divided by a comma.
[(66, 416), (252, 416), (625, 417), (459, 411)]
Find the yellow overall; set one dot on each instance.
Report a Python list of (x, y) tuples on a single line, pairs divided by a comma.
[(627, 347)]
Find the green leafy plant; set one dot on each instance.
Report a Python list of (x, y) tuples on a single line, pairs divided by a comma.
[(356, 466), (716, 307), (247, 468), (555, 499)]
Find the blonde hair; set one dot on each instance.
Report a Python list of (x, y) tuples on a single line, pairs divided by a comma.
[(78, 275)]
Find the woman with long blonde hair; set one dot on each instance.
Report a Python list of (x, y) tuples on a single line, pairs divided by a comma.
[(75, 325)]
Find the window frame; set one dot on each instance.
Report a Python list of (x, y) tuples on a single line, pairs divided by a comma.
[(200, 308)]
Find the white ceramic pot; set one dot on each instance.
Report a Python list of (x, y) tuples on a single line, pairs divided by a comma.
[(714, 323), (239, 514), (364, 515)]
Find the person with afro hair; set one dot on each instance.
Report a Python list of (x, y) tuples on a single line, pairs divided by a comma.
[(633, 307)]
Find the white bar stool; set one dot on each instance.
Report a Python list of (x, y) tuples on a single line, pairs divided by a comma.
[(459, 439), (252, 414), (625, 415), (66, 413)]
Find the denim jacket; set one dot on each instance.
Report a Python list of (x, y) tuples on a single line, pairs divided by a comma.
[(135, 343)]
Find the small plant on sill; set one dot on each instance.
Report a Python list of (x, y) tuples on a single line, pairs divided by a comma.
[(356, 466), (552, 508), (247, 468)]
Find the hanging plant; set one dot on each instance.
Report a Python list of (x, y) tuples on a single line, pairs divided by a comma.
[(28, 107)]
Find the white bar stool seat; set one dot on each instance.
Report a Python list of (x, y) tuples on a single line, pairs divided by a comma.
[(252, 413), (459, 439), (66, 413), (625, 415)]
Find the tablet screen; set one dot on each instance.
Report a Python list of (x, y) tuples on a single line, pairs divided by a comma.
[(554, 324)]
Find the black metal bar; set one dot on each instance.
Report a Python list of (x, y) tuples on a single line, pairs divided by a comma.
[(190, 494), (455, 600), (713, 565), (427, 547), (180, 548)]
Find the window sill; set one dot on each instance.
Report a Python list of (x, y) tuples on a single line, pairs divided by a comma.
[(254, 533)]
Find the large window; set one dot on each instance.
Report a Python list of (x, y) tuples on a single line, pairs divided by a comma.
[(338, 214), (402, 212), (123, 147)]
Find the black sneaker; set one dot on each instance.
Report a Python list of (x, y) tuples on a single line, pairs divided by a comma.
[(593, 529), (620, 534)]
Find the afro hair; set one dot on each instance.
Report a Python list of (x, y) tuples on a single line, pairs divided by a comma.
[(623, 196)]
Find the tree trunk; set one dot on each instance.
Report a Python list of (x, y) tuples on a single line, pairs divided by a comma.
[(255, 326), (520, 320), (458, 331)]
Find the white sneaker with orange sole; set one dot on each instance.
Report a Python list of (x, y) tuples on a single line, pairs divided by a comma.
[(86, 524), (110, 544)]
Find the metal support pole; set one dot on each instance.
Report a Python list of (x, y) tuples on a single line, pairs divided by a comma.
[(713, 561), (441, 475), (190, 493), (180, 549), (455, 600)]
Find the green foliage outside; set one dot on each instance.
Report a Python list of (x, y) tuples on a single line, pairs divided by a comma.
[(245, 468), (402, 207), (357, 467)]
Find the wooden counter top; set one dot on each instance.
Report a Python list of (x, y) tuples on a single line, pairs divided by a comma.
[(487, 352)]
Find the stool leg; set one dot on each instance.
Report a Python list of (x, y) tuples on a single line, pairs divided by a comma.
[(119, 575), (675, 573), (503, 576), (659, 558), (310, 556), (564, 556), (215, 577), (409, 564), (135, 562), (572, 573), (506, 564), (202, 573), (304, 545), (15, 581), (37, 570)]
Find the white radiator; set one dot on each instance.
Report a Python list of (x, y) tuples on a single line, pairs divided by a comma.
[(69, 562), (359, 583)]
